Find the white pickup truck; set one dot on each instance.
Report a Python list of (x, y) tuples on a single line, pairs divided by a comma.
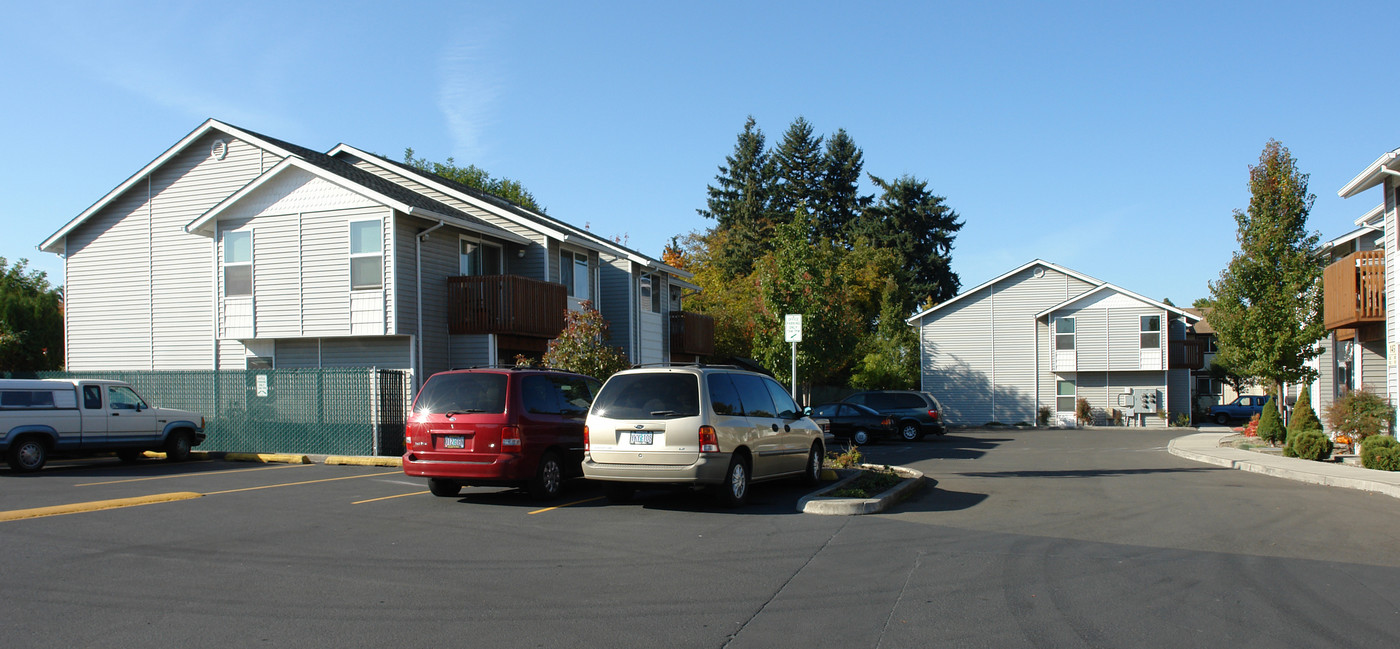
[(40, 417)]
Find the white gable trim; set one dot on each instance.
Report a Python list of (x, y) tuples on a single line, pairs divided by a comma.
[(1371, 176), (1034, 262), (1109, 287), (52, 244), (200, 225)]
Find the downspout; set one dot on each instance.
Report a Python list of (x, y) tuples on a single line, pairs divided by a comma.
[(418, 296)]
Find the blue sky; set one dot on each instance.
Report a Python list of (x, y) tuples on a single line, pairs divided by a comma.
[(1111, 138)]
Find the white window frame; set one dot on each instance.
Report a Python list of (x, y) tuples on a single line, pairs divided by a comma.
[(650, 292), (1143, 331), (1059, 334), (248, 263), (1074, 387), (378, 253), (572, 286)]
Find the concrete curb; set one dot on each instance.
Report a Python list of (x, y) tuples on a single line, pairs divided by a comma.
[(363, 460), (818, 503), (267, 458), (1296, 469)]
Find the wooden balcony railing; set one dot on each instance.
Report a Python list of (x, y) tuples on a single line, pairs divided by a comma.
[(1353, 290), (1186, 354), (505, 304), (692, 333)]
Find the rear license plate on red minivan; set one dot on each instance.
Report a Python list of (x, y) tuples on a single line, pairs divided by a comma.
[(454, 441)]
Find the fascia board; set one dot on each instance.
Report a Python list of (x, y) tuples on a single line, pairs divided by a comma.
[(1034, 262), (1369, 177)]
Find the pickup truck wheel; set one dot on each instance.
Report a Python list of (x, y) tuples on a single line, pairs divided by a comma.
[(130, 455), (27, 455), (1222, 419), (177, 449)]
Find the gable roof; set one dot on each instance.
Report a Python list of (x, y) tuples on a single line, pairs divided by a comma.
[(505, 209), (51, 244), (1372, 175), (998, 278), (406, 202), (1190, 317), (1201, 326)]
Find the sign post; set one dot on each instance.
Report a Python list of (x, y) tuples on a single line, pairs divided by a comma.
[(792, 332)]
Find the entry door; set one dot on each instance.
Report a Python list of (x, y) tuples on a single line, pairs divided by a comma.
[(1064, 402)]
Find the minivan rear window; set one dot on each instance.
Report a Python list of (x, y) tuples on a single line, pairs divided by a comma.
[(463, 393), (649, 396)]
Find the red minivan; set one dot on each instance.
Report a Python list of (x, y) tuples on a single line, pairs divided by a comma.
[(508, 426)]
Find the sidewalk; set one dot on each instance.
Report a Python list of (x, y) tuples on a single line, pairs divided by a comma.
[(1205, 447)]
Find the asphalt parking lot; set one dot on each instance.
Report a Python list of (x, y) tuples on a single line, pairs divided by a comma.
[(1026, 538)]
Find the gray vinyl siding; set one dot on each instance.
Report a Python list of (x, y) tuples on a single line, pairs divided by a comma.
[(615, 302), (470, 351), (232, 355), (1124, 342), (298, 353), (277, 295), (957, 358), (1392, 298), (1326, 375), (386, 352), (1179, 392), (1091, 339), (440, 259), (1373, 366), (133, 259)]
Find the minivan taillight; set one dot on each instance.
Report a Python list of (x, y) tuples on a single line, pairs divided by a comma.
[(709, 441), (510, 439), (933, 414), (586, 444)]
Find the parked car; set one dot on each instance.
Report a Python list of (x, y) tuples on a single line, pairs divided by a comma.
[(915, 413), (720, 427), (1241, 408), (859, 424), (509, 426), (82, 416)]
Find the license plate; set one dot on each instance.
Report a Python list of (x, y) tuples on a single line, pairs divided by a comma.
[(641, 438), (454, 441)]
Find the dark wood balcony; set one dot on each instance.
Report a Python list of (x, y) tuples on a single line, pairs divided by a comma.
[(1353, 291), (692, 334), (505, 304), (1186, 354)]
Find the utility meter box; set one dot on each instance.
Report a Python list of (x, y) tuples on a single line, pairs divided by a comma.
[(1145, 401)]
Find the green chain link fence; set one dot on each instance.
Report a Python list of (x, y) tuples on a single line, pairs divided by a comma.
[(333, 411)]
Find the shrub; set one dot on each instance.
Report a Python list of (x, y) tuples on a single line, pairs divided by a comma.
[(1271, 427), (1303, 416), (1251, 429), (849, 459), (1311, 445), (1380, 452), (1359, 414), (1182, 420), (1043, 415), (1082, 412)]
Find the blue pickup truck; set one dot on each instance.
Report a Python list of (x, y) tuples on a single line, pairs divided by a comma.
[(1241, 408)]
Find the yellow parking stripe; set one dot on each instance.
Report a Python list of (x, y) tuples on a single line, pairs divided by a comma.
[(576, 502), (191, 475), (373, 500), (97, 505), (293, 484)]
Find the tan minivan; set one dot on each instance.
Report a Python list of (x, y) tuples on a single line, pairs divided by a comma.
[(697, 425)]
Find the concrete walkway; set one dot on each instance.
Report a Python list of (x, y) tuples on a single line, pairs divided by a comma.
[(1205, 447)]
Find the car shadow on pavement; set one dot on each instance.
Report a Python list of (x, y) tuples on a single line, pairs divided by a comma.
[(933, 499), (1085, 473)]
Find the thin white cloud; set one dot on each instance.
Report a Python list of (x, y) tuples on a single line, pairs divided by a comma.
[(468, 89)]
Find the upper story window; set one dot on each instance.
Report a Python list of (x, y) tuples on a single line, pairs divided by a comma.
[(366, 255), (1064, 334), (479, 258), (1151, 332), (573, 274), (238, 263), (651, 293)]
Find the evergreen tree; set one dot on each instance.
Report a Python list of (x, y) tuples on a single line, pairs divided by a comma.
[(1267, 306), (920, 228), (1271, 427), (741, 203), (840, 200), (798, 166)]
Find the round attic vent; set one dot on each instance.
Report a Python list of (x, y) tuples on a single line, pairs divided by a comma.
[(1038, 272), (219, 150)]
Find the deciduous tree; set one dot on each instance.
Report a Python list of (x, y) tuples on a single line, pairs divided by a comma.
[(31, 320), (1267, 305), (582, 345), (477, 178)]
